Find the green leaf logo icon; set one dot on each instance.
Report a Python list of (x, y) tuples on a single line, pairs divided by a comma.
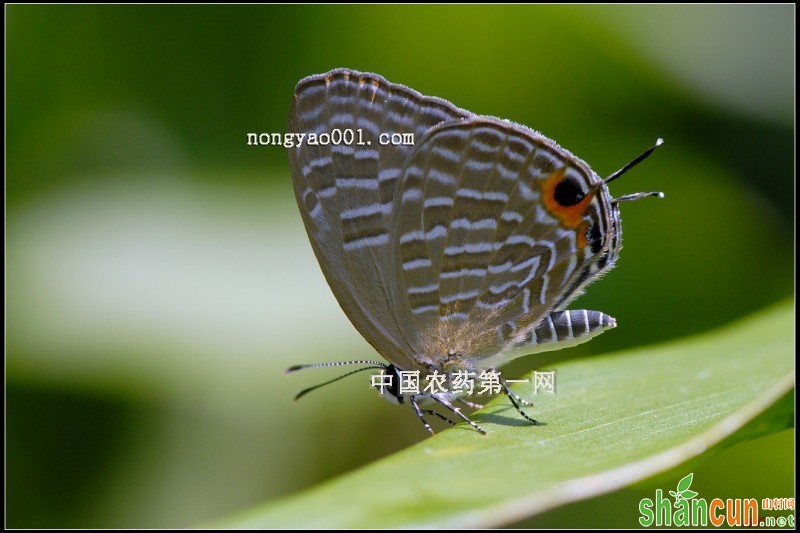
[(683, 492)]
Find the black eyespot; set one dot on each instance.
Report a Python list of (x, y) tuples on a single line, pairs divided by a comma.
[(567, 193), (601, 264), (595, 238)]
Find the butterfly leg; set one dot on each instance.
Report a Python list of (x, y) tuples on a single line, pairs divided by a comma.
[(413, 401), (520, 400), (511, 396), (440, 415), (458, 412), (469, 404)]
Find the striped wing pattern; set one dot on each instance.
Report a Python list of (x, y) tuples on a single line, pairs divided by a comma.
[(346, 192), (485, 251), (461, 250)]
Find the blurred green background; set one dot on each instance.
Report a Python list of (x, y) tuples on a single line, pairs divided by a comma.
[(159, 279)]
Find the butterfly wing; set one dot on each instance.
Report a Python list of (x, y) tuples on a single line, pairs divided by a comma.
[(346, 192), (497, 227)]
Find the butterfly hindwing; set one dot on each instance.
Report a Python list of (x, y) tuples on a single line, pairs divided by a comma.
[(496, 227)]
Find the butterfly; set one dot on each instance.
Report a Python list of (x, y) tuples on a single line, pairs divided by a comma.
[(452, 241)]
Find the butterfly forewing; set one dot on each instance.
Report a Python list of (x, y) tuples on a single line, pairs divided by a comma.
[(346, 192), (495, 226)]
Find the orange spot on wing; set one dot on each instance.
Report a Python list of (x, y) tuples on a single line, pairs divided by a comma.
[(569, 215)]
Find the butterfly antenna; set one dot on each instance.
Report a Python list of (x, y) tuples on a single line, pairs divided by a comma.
[(635, 162), (636, 196), (295, 368), (315, 387), (373, 365)]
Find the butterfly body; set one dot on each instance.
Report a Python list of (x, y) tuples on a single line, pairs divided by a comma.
[(460, 251)]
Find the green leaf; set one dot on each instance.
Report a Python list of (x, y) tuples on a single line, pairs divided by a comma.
[(688, 494), (615, 420), (685, 483)]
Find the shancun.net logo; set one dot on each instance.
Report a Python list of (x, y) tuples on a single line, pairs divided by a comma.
[(685, 508)]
